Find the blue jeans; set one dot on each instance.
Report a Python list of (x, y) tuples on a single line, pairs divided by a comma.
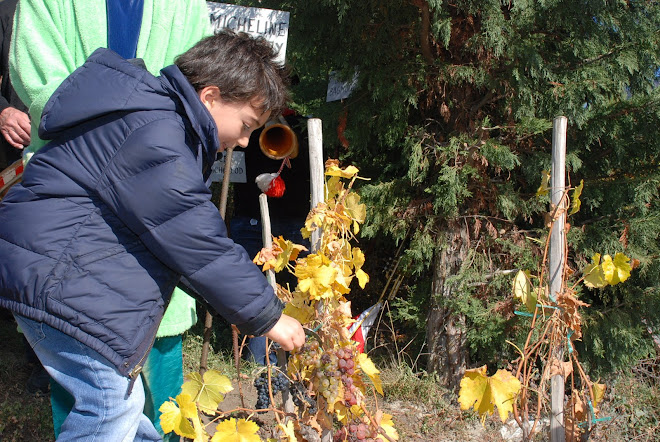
[(102, 410), (162, 377)]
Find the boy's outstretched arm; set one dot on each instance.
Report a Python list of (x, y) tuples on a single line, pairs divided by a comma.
[(287, 332)]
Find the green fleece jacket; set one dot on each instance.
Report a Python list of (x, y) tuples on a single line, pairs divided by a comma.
[(52, 38)]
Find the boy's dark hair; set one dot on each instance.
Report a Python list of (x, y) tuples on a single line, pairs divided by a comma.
[(241, 66)]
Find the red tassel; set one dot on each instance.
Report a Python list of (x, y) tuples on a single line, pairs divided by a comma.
[(271, 184)]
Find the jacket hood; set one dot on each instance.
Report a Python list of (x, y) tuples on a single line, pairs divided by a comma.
[(107, 83)]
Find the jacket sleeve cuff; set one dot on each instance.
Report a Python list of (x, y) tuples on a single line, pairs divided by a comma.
[(4, 104), (265, 320)]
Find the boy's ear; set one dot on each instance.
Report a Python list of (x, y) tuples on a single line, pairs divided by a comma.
[(209, 95)]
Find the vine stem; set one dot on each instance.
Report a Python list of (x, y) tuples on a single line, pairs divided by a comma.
[(380, 429), (221, 414), (238, 367), (270, 388)]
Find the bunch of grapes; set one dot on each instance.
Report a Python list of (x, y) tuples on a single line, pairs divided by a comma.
[(301, 398), (309, 354), (346, 365), (333, 371), (356, 430), (278, 382)]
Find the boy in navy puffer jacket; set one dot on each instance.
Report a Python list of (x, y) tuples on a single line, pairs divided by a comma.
[(121, 208)]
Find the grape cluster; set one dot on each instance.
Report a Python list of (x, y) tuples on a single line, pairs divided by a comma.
[(309, 354), (278, 382), (346, 365), (356, 430), (333, 371), (301, 398)]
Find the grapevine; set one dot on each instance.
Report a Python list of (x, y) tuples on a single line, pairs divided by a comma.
[(554, 325), (328, 379)]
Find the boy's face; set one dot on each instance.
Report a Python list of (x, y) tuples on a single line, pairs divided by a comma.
[(235, 121)]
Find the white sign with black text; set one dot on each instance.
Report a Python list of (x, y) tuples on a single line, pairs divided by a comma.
[(237, 175), (339, 90), (271, 24)]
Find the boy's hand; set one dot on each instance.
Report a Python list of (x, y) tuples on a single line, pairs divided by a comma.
[(287, 332)]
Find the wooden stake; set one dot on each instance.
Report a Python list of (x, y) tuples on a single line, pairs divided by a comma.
[(208, 320), (557, 258)]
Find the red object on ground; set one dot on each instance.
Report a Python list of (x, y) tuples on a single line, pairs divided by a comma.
[(8, 175)]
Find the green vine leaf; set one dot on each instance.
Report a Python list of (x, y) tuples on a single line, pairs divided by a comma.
[(209, 391)]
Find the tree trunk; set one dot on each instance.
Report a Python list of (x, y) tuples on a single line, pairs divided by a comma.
[(445, 329)]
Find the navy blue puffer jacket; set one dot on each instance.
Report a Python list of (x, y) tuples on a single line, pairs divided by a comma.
[(115, 209)]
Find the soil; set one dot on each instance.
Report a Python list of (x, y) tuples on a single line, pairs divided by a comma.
[(414, 423)]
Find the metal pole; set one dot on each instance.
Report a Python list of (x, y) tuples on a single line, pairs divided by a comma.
[(556, 265)]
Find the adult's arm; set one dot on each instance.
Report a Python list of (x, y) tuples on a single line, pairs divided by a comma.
[(14, 123), (39, 56), (5, 22)]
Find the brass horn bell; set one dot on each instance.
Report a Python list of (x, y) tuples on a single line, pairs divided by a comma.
[(277, 140)]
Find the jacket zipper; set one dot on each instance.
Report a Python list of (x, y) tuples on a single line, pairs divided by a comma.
[(135, 372)]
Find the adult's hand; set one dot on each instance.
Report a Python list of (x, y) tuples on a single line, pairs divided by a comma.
[(15, 127)]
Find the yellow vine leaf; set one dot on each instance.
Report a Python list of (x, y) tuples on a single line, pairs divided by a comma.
[(174, 416), (355, 210), (575, 199), (362, 277), (289, 432), (609, 272), (314, 220), (232, 430), (357, 258), (315, 276), (522, 289), (368, 367), (483, 392), (599, 393), (358, 262), (387, 425), (342, 283), (278, 255), (593, 273), (616, 270), (347, 172), (290, 252), (544, 188), (343, 412), (299, 308), (209, 391), (333, 186)]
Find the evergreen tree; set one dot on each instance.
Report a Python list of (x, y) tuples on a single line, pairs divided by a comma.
[(452, 120)]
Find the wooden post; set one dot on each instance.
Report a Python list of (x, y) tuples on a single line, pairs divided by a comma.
[(317, 184), (267, 240), (266, 235), (208, 320), (316, 170), (556, 266)]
